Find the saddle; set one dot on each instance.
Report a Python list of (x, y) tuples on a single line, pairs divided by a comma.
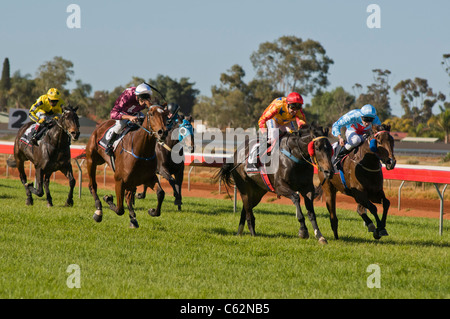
[(103, 141)]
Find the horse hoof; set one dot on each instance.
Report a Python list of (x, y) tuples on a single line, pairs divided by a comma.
[(152, 212), (49, 205), (69, 203), (108, 198), (323, 241), (371, 228), (98, 216), (134, 223), (383, 232), (304, 234), (179, 207), (177, 202), (29, 202), (140, 195), (376, 235)]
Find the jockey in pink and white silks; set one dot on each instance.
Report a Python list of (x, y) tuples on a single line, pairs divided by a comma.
[(127, 108), (357, 123)]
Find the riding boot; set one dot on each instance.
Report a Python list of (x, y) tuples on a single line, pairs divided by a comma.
[(109, 147), (34, 138), (341, 155)]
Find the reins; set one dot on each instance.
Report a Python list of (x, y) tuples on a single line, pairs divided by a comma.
[(296, 160)]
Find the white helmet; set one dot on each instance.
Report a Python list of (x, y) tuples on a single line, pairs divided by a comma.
[(143, 89), (368, 111)]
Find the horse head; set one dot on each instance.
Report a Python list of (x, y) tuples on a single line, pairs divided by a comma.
[(382, 144), (313, 143), (155, 122), (69, 122), (320, 150)]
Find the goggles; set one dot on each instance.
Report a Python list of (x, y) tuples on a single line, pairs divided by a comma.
[(367, 119), (295, 106)]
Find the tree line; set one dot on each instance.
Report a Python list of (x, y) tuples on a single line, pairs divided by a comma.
[(287, 64)]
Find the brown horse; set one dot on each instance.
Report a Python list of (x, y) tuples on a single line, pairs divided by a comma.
[(294, 174), (364, 179), (135, 164), (51, 155), (180, 136)]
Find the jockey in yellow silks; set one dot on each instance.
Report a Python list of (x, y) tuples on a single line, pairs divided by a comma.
[(46, 107), (278, 116)]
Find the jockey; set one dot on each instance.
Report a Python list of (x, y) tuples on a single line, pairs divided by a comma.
[(279, 115), (127, 108), (46, 108), (357, 122)]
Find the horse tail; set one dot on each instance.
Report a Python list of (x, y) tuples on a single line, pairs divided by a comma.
[(224, 174), (11, 162)]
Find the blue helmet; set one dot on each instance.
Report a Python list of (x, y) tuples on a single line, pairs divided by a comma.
[(368, 111)]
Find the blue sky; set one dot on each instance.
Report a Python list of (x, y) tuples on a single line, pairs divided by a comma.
[(201, 39)]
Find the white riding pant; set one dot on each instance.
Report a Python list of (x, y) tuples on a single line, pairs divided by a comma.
[(273, 132), (353, 139)]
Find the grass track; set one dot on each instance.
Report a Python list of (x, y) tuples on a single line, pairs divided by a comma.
[(195, 253)]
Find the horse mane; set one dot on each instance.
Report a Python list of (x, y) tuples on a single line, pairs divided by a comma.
[(313, 129)]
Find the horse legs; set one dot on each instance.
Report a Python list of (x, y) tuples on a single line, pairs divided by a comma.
[(284, 190), (39, 191), (308, 197), (142, 195), (380, 230), (178, 182), (386, 204), (129, 199), (159, 195), (47, 189), (303, 231), (367, 221), (330, 197), (92, 170), (249, 200), (164, 172), (69, 174), (23, 179), (120, 193)]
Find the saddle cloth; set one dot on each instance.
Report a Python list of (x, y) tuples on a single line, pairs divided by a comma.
[(26, 137)]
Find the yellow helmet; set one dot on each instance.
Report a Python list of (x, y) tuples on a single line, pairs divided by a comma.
[(53, 94)]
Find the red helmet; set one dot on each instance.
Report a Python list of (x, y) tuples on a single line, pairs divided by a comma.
[(294, 97)]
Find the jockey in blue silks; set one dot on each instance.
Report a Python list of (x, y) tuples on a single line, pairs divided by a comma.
[(357, 122)]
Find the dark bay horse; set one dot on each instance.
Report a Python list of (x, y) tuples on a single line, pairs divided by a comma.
[(51, 155), (135, 164), (171, 161), (363, 179), (294, 173)]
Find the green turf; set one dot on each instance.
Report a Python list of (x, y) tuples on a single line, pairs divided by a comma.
[(196, 254)]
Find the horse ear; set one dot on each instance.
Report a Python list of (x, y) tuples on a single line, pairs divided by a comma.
[(75, 108)]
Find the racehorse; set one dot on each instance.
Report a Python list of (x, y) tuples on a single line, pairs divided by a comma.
[(363, 178), (135, 164), (294, 173), (171, 159), (52, 154)]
